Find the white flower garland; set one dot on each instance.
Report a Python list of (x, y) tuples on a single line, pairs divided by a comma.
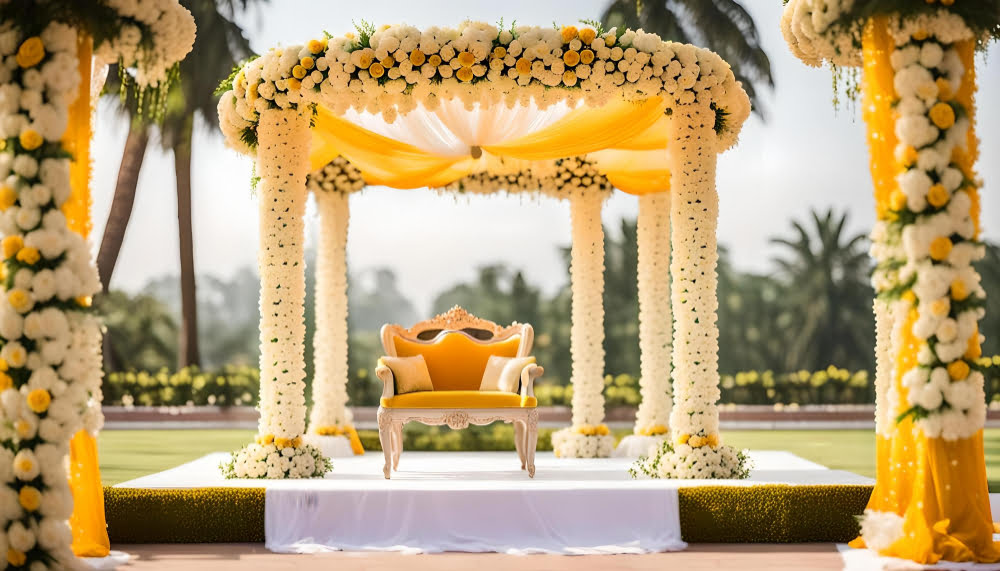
[(283, 165), (655, 320), (560, 179), (588, 437), (50, 364), (393, 70), (170, 33)]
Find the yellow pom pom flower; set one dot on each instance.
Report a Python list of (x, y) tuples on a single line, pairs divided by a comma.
[(464, 74), (587, 57), (30, 498), (683, 438), (15, 558), (5, 382), (316, 46), (974, 350), (28, 255), (571, 58), (7, 197), (264, 439), (21, 301), (587, 35), (388, 61), (940, 248), (569, 78), (523, 66), (298, 72), (958, 290), (466, 59), (39, 400), (568, 34), (938, 196), (30, 139), (376, 70), (434, 60), (417, 58), (944, 88), (940, 307), (897, 200), (499, 52), (282, 442), (909, 156), (609, 40), (307, 62), (84, 300), (942, 115), (11, 245), (31, 52), (293, 84), (958, 370)]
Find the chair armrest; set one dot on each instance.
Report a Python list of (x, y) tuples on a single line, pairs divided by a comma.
[(388, 385), (529, 373)]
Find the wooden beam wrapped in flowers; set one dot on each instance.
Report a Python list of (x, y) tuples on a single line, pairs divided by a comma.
[(479, 107), (930, 501), (55, 55)]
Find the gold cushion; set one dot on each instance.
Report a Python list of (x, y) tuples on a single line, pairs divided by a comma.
[(459, 399), (409, 373), (504, 373), (456, 362)]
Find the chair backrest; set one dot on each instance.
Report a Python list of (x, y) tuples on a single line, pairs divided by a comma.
[(456, 346)]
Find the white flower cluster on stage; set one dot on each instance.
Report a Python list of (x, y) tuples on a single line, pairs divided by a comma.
[(683, 462), (154, 37), (588, 437), (655, 320), (930, 240), (393, 70), (339, 175), (559, 179), (50, 363), (266, 460)]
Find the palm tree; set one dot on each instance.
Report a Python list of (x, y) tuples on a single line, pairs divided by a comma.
[(723, 26), (825, 277), (220, 44)]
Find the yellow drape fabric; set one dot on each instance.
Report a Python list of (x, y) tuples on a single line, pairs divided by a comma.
[(626, 125), (634, 171), (90, 533), (938, 486)]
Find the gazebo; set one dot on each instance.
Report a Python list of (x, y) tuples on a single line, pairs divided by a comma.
[(560, 111)]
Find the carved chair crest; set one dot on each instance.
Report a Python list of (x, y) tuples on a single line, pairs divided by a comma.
[(457, 320)]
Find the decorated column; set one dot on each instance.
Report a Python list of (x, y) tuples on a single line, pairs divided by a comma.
[(588, 437), (330, 419), (282, 165)]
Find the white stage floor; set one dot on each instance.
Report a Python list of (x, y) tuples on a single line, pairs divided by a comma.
[(481, 501)]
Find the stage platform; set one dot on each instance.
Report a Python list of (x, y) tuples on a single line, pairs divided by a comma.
[(482, 501)]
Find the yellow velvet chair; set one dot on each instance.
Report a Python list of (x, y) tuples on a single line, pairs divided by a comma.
[(456, 347)]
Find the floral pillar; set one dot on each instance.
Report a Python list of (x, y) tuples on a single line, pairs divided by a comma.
[(588, 437)]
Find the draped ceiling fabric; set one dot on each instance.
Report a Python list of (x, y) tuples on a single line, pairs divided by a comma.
[(433, 148)]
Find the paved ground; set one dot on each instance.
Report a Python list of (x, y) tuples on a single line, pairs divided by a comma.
[(246, 557)]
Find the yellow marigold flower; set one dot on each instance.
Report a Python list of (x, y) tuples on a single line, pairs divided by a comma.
[(466, 59), (940, 307), (571, 58), (569, 78), (523, 66), (365, 60), (296, 442), (388, 61), (464, 74), (5, 382), (282, 442), (434, 60), (499, 52), (39, 400), (610, 39), (958, 290), (938, 196), (603, 430), (944, 88), (696, 441), (683, 438), (940, 248), (28, 255), (942, 115), (587, 57), (252, 91), (264, 439), (568, 34), (293, 84), (298, 72), (307, 62), (974, 350), (30, 139), (31, 52), (30, 498), (897, 200), (7, 197), (587, 35), (11, 245), (316, 46), (376, 70), (712, 440), (19, 300), (417, 58), (958, 370), (15, 558), (84, 300)]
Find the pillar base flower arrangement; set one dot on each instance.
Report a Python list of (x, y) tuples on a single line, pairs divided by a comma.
[(930, 501)]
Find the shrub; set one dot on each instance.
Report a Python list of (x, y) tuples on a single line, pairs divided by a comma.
[(231, 385)]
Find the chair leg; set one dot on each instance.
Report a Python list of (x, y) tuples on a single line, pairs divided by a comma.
[(397, 444), (519, 440), (531, 442), (385, 439)]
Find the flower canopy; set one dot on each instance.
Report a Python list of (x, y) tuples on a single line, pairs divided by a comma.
[(412, 108)]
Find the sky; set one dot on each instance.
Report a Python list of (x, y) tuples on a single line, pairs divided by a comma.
[(806, 155)]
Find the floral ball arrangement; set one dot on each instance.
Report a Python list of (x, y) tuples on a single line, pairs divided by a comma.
[(339, 175), (559, 179), (270, 458), (683, 461)]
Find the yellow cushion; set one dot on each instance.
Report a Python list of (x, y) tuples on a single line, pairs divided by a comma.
[(456, 362), (459, 399), (409, 373)]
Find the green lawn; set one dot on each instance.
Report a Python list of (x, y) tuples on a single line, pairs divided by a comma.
[(127, 454)]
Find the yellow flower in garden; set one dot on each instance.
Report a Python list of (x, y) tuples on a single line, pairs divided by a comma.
[(307, 62), (571, 58), (464, 74), (11, 245), (942, 115), (523, 66), (316, 46), (15, 558), (417, 58), (944, 88), (31, 52), (938, 195), (28, 255), (20, 301), (897, 200), (388, 61), (298, 72), (569, 78), (293, 84), (5, 382), (940, 248), (958, 290), (376, 70), (568, 34), (499, 52), (958, 370), (587, 35), (7, 197), (434, 60), (587, 57), (30, 139), (466, 59), (940, 307), (39, 400), (30, 498)]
